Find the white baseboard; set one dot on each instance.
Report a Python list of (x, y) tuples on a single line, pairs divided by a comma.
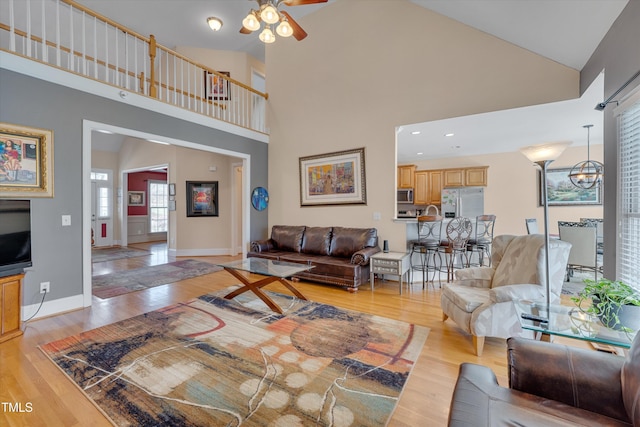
[(49, 308), (200, 252)]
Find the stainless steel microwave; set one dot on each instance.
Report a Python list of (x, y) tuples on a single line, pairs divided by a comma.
[(405, 195)]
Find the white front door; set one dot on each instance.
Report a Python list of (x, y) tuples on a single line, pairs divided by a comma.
[(102, 207)]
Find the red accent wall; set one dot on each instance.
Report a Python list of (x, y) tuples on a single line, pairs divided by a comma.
[(137, 181)]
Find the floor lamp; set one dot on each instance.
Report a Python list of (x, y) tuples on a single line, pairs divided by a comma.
[(542, 155)]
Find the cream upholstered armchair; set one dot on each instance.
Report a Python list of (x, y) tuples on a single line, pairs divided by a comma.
[(480, 299)]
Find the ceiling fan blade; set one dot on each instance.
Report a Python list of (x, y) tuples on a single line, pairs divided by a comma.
[(298, 32), (243, 30), (302, 2)]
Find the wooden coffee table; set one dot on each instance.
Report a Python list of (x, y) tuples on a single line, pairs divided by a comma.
[(276, 271)]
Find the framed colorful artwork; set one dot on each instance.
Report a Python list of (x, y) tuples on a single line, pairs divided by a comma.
[(216, 85), (202, 198), (260, 198), (26, 161), (333, 179), (561, 192)]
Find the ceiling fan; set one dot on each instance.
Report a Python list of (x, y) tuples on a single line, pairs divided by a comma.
[(269, 14)]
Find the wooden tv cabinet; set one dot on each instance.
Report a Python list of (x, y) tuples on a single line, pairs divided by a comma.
[(10, 298)]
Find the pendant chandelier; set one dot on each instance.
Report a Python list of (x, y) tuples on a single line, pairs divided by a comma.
[(589, 173)]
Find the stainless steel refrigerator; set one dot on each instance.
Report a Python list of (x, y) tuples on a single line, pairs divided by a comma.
[(466, 202)]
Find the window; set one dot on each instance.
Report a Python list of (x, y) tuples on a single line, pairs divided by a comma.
[(99, 176), (103, 203), (158, 206), (101, 181), (629, 182)]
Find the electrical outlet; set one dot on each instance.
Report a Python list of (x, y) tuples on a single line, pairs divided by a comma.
[(44, 287)]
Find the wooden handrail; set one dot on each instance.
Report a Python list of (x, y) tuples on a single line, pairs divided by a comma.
[(67, 50), (105, 19), (212, 71), (149, 40)]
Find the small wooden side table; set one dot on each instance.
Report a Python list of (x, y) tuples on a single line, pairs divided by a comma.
[(389, 263)]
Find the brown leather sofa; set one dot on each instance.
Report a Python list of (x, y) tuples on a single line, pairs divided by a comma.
[(551, 385), (340, 255)]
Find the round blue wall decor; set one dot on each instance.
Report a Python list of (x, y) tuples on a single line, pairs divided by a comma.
[(260, 198)]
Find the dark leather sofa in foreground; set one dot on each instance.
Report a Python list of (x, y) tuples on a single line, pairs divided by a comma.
[(340, 255), (551, 385)]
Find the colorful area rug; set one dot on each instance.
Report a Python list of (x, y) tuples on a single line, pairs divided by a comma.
[(122, 282), (112, 254), (217, 362)]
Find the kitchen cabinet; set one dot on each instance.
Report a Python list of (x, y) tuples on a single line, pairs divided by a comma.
[(476, 176), (10, 290), (428, 187), (453, 177), (406, 176), (421, 190), (435, 187), (465, 177)]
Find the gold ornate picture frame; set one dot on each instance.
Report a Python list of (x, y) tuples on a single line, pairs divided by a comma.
[(26, 161)]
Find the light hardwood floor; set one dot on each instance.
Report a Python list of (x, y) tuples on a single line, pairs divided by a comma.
[(27, 376)]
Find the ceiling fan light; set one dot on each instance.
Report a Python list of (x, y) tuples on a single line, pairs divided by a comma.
[(269, 14), (251, 22), (267, 35), (284, 29), (214, 23)]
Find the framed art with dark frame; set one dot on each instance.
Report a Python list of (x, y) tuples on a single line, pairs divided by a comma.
[(216, 86), (26, 161), (333, 179), (135, 198), (561, 192), (202, 198)]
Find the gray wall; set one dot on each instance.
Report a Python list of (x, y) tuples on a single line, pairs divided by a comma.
[(619, 56), (57, 251)]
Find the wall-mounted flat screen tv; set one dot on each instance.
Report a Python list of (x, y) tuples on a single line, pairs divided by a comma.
[(15, 236)]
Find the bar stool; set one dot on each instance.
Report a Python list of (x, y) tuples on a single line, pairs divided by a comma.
[(481, 244), (426, 245), (458, 233)]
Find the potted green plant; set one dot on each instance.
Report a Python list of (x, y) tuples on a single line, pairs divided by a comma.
[(614, 302)]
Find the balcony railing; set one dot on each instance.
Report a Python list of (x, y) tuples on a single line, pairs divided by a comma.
[(67, 35)]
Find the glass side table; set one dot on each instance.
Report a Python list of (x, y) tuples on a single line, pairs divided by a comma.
[(569, 322)]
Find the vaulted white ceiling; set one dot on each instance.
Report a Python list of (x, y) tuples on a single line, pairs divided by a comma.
[(566, 31)]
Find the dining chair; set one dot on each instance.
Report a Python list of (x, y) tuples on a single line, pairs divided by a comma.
[(583, 239), (599, 223), (532, 225)]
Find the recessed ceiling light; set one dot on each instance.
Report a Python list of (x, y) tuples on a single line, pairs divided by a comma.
[(419, 154), (415, 132), (449, 134)]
